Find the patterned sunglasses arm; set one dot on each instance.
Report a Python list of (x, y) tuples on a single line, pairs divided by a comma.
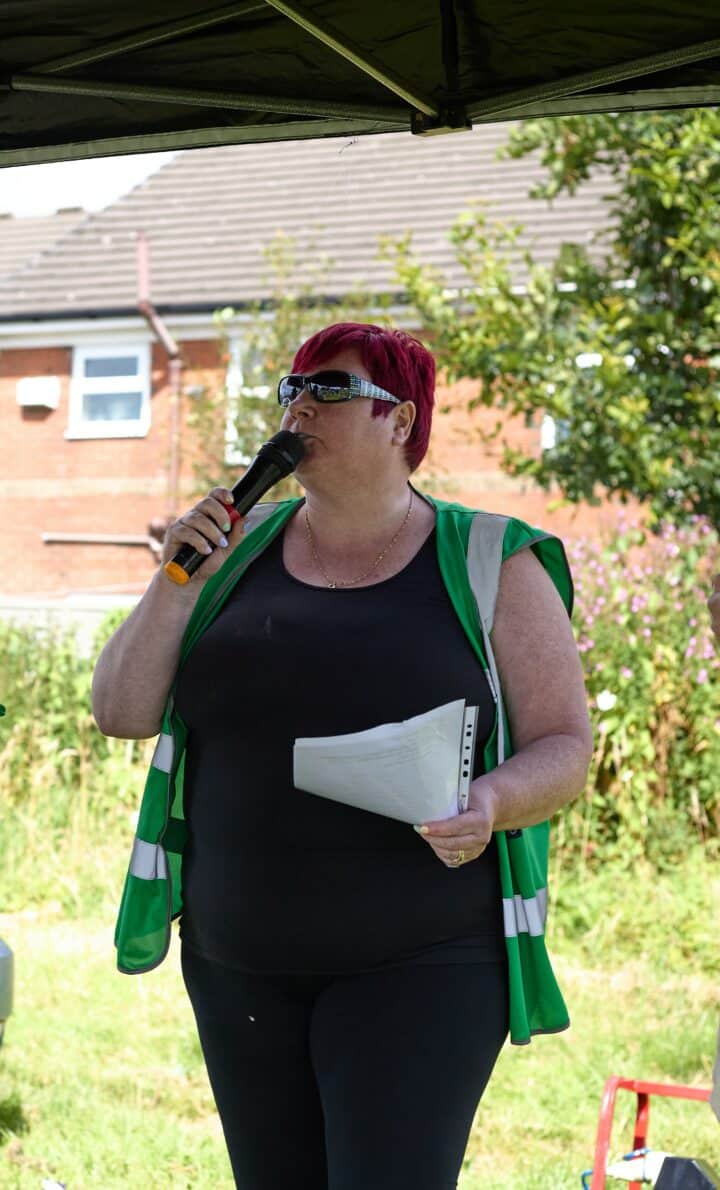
[(365, 388)]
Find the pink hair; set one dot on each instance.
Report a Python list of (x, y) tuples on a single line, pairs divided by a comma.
[(396, 362)]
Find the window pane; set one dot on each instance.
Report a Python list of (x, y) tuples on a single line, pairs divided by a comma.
[(112, 365), (111, 406)]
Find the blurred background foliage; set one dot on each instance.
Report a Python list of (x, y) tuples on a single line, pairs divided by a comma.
[(70, 794), (618, 340), (651, 671)]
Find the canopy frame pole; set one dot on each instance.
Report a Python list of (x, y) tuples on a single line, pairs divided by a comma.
[(221, 99), (353, 53), (450, 50), (193, 138), (453, 116), (563, 88), (579, 105), (148, 36)]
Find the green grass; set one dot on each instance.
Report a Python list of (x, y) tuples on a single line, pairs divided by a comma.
[(105, 1071), (536, 1127), (102, 1084)]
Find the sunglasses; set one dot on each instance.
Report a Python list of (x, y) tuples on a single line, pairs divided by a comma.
[(330, 387)]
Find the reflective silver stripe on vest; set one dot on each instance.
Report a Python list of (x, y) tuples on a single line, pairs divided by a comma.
[(525, 916), (484, 559), (148, 861), (163, 754)]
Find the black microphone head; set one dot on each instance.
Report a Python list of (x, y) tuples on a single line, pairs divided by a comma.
[(287, 450)]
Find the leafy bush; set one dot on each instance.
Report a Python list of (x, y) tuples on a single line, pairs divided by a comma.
[(67, 791), (70, 795), (651, 671)]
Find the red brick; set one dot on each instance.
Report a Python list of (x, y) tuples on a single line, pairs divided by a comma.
[(117, 486)]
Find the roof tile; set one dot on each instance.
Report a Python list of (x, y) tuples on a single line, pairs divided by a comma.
[(24, 238), (208, 213)]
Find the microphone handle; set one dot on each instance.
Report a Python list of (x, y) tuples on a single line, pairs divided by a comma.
[(187, 559)]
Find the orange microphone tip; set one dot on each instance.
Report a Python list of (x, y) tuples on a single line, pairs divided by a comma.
[(176, 573)]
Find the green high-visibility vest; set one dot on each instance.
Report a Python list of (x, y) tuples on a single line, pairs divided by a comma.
[(471, 547)]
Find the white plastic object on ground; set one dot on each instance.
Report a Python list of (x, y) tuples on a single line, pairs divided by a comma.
[(644, 1168)]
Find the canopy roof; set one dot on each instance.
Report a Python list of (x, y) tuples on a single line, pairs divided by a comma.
[(80, 79)]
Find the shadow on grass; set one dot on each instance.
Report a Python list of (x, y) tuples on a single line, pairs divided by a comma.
[(12, 1118)]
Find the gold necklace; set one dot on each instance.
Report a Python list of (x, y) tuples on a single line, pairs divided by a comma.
[(350, 582)]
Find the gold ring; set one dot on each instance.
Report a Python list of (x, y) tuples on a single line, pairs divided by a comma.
[(459, 859)]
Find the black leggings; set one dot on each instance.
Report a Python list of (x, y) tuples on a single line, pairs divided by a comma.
[(350, 1082)]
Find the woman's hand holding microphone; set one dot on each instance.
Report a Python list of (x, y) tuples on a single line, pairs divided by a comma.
[(206, 526), (135, 670), (212, 527)]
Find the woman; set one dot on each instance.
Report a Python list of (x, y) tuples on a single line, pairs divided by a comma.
[(352, 979)]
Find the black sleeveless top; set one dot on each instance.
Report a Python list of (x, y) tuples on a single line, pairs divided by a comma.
[(279, 880)]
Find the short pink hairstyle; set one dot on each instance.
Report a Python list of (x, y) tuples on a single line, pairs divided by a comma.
[(396, 362)]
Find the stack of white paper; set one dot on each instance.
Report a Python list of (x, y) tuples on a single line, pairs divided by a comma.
[(411, 771)]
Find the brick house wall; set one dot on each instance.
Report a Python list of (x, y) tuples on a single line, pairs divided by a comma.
[(467, 469), (71, 281), (52, 484)]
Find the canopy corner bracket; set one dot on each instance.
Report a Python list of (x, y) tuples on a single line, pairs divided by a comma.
[(449, 119)]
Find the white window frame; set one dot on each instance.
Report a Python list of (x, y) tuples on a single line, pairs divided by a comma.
[(78, 427), (234, 457)]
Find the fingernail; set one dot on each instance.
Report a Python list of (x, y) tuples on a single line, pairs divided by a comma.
[(421, 830), (223, 542), (226, 527)]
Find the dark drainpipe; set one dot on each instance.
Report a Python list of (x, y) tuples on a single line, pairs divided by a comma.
[(172, 349)]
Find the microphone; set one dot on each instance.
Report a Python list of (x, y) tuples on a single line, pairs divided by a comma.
[(276, 459)]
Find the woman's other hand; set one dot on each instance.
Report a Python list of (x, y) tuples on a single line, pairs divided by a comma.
[(544, 695), (206, 527), (464, 837)]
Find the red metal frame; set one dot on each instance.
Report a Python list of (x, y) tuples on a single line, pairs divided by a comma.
[(643, 1090)]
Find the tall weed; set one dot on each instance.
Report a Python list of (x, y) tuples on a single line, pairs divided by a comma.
[(651, 670), (70, 795), (67, 791)]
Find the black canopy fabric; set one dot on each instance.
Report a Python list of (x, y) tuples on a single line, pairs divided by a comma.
[(81, 79)]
